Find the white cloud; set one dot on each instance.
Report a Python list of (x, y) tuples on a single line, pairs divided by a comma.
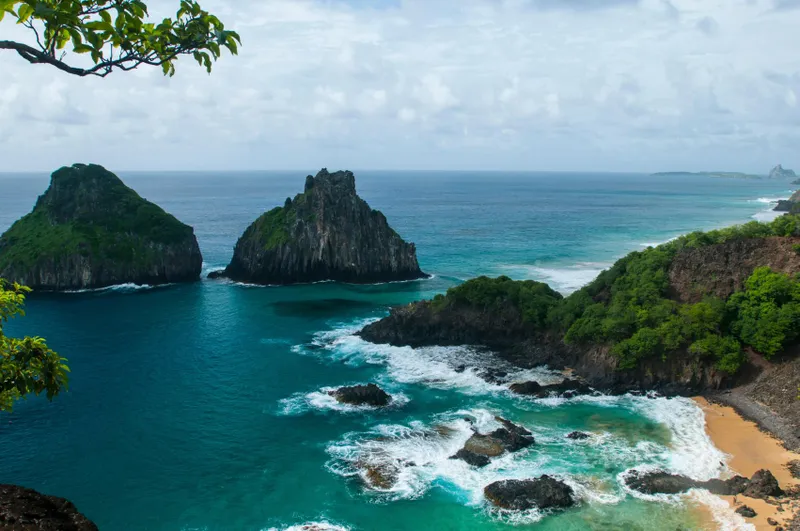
[(633, 85)]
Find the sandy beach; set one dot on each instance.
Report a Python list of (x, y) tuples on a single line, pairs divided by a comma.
[(750, 449)]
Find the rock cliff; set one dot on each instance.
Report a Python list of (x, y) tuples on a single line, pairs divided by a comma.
[(789, 205), (326, 233), (89, 230), (25, 509)]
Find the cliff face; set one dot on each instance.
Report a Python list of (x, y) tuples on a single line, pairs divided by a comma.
[(89, 230), (325, 233), (25, 509), (720, 270)]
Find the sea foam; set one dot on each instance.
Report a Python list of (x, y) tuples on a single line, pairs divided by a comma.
[(300, 403)]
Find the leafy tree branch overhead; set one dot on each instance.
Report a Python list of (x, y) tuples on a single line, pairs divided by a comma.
[(114, 35)]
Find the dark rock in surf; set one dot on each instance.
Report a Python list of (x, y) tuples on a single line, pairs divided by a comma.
[(762, 485), (569, 388), (578, 436), (471, 458), (326, 233), (362, 395), (520, 495), (480, 447), (25, 509)]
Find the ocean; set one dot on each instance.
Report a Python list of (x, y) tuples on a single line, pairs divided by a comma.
[(203, 406)]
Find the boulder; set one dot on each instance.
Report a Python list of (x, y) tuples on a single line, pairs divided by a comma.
[(25, 509), (569, 388), (762, 485), (746, 511), (472, 458), (479, 448), (520, 495), (362, 395), (484, 445), (325, 233)]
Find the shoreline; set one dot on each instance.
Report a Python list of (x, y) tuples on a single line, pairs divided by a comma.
[(749, 448)]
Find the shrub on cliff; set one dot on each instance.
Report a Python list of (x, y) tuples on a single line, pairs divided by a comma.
[(27, 365)]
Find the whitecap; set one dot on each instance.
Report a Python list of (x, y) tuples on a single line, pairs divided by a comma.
[(128, 286), (322, 400), (564, 279), (458, 368), (312, 526)]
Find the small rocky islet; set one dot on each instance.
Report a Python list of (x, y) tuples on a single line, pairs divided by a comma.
[(89, 230), (325, 233)]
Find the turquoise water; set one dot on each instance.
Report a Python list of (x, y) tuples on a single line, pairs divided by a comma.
[(203, 407)]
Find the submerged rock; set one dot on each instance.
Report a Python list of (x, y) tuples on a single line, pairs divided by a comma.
[(326, 233), (578, 436), (381, 476), (520, 495), (362, 395), (89, 230), (25, 509)]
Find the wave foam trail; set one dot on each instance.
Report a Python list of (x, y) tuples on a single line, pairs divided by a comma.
[(322, 400), (312, 526), (459, 368), (564, 279), (128, 286)]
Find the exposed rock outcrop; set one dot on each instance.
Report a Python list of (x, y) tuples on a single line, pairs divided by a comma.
[(762, 485), (779, 172), (746, 511), (479, 448), (24, 509), (362, 395), (569, 388), (520, 495), (578, 436), (789, 205), (326, 233), (89, 230)]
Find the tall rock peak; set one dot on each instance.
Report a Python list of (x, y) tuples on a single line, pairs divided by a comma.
[(89, 230), (326, 233)]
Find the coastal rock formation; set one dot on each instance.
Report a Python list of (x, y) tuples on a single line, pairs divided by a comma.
[(544, 492), (362, 395), (789, 205), (721, 269), (25, 509), (762, 485), (746, 511), (569, 388), (326, 233), (89, 230), (479, 448), (779, 172), (578, 436)]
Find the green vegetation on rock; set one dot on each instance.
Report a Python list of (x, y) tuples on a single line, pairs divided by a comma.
[(273, 227), (629, 307), (27, 365)]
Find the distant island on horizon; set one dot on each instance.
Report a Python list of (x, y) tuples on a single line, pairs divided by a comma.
[(778, 172)]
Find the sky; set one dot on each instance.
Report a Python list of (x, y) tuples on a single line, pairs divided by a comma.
[(539, 85)]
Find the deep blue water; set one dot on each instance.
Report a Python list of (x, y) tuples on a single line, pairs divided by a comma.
[(199, 406)]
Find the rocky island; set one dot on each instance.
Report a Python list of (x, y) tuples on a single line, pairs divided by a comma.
[(89, 230), (325, 233), (779, 172)]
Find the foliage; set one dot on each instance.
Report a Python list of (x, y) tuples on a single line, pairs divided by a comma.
[(272, 228), (88, 211), (534, 300), (767, 312), (27, 365), (115, 34)]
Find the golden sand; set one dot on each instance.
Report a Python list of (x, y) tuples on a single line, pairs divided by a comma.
[(749, 449)]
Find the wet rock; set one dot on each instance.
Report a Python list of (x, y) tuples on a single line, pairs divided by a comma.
[(25, 509), (746, 511), (578, 436), (762, 485), (569, 388), (659, 482), (794, 468), (471, 458), (512, 437), (217, 274), (495, 376), (520, 495), (381, 476), (362, 395), (484, 445)]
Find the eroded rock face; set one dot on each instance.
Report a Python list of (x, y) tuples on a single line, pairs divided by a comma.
[(326, 233), (362, 395), (520, 495), (24, 509), (569, 388), (89, 230)]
